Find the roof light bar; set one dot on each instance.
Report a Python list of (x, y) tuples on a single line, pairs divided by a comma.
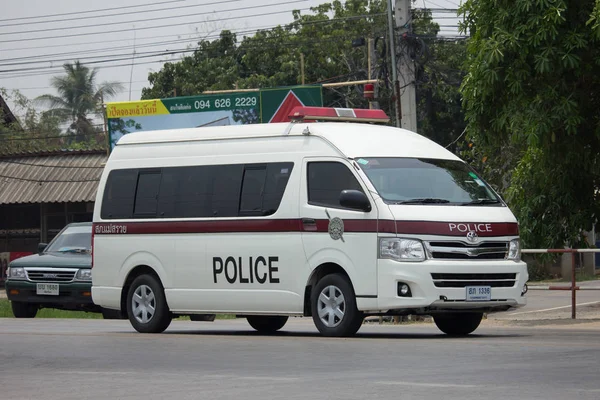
[(338, 114)]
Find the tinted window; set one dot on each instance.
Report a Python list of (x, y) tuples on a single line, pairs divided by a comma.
[(146, 195), (196, 191), (263, 188), (326, 180), (119, 194), (253, 189), (185, 192), (227, 182)]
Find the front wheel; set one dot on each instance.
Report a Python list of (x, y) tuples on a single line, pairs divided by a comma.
[(333, 306), (459, 324), (266, 324), (147, 306), (24, 310)]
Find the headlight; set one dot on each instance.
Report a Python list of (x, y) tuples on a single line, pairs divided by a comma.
[(16, 273), (84, 275), (401, 249), (514, 250)]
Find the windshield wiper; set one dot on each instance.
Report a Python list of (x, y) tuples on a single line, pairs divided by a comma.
[(480, 201), (422, 201)]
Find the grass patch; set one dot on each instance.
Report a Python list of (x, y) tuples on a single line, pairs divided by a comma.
[(6, 312)]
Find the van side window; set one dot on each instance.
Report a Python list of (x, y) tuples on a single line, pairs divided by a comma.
[(119, 194), (146, 195), (227, 183), (185, 192), (263, 187), (326, 180)]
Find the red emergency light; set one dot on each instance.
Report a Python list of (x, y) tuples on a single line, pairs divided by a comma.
[(301, 113)]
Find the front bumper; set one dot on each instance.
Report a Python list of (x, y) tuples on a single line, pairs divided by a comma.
[(427, 298), (74, 296)]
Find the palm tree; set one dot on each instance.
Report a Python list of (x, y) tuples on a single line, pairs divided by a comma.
[(78, 97)]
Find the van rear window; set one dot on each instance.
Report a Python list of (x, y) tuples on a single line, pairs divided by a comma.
[(196, 191)]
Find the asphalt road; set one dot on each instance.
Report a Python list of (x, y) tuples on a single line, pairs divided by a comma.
[(98, 359)]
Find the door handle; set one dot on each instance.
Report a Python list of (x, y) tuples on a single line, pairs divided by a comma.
[(309, 224)]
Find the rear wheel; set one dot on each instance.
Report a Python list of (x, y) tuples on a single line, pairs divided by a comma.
[(333, 305), (147, 306), (266, 323), (24, 310), (459, 324)]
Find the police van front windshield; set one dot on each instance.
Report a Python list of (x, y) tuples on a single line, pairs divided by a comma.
[(427, 181)]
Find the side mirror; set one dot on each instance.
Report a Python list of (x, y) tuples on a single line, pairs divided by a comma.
[(355, 200), (42, 247)]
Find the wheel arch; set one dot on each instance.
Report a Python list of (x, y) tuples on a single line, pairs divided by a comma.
[(317, 274)]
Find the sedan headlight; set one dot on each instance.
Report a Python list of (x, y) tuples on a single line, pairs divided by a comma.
[(16, 273), (514, 250), (84, 275), (400, 249)]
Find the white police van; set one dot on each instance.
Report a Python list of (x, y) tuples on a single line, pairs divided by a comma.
[(334, 220)]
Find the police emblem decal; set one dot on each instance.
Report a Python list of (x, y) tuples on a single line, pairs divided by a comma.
[(335, 228)]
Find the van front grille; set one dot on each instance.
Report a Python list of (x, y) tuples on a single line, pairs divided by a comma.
[(463, 251), (449, 280)]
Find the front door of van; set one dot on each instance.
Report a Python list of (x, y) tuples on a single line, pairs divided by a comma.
[(332, 233)]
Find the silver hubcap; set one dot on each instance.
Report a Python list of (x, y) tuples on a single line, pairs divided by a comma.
[(143, 304), (331, 305)]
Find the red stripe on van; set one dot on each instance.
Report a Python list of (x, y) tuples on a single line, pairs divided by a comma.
[(296, 225)]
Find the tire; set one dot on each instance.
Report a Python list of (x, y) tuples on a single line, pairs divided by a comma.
[(24, 310), (459, 324), (266, 323), (340, 317), (202, 317), (147, 306), (107, 313)]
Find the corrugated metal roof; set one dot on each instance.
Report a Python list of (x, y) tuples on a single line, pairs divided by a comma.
[(59, 177)]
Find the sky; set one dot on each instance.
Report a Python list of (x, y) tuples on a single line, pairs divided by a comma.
[(124, 39)]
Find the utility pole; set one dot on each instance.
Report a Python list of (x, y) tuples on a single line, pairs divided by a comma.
[(392, 47), (406, 67)]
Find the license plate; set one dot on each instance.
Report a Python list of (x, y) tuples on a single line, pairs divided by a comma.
[(48, 289), (479, 293)]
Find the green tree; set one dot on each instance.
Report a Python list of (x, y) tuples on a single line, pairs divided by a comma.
[(531, 104), (332, 41), (79, 97), (33, 131)]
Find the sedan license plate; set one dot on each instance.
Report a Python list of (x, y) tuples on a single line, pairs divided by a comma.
[(479, 293), (49, 289)]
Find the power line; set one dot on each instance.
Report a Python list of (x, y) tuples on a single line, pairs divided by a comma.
[(91, 11), (161, 18), (125, 13), (52, 70), (147, 27)]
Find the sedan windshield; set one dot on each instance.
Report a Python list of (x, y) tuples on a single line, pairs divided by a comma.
[(75, 239), (427, 181)]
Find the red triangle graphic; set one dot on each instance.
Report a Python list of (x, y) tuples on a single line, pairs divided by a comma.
[(286, 107)]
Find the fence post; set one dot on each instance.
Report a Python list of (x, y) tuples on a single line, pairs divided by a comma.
[(573, 291)]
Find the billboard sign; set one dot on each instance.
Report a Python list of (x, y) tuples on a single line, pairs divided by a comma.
[(266, 105)]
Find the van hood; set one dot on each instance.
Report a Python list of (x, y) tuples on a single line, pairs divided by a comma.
[(485, 221)]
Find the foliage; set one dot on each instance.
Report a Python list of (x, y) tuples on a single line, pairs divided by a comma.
[(33, 131), (324, 39), (79, 97), (531, 98)]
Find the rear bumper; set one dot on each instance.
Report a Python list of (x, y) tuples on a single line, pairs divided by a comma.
[(72, 296)]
